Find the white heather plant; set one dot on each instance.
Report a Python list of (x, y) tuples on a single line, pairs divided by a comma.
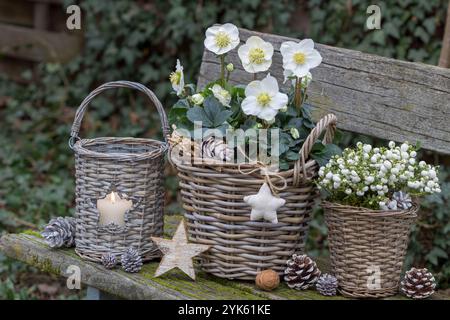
[(377, 178)]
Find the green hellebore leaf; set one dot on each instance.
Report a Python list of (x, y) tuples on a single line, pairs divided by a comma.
[(212, 115)]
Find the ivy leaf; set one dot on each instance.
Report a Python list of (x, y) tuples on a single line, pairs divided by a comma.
[(436, 253)]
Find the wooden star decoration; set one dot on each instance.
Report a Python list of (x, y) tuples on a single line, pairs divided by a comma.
[(178, 253), (264, 205)]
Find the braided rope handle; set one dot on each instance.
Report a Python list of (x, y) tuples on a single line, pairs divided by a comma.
[(327, 123), (117, 84)]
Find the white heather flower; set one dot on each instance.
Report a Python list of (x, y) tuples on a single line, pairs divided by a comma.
[(256, 55), (263, 99), (413, 154), (404, 147), (376, 150), (412, 161), (391, 144), (367, 148), (370, 179), (405, 155), (422, 164), (177, 78), (348, 191), (221, 94), (300, 57), (197, 99), (382, 205), (329, 175), (221, 38), (432, 174), (359, 193)]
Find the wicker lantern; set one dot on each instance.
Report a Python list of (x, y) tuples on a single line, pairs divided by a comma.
[(119, 187)]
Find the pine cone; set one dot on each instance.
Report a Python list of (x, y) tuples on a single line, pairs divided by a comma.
[(215, 148), (60, 232), (109, 260), (131, 260), (327, 285), (184, 145), (403, 200), (418, 283), (301, 272)]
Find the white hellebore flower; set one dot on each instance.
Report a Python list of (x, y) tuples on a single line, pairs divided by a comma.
[(221, 94), (300, 57), (177, 79), (222, 38), (262, 98), (197, 99), (256, 55)]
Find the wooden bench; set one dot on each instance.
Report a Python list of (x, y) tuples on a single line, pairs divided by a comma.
[(381, 97)]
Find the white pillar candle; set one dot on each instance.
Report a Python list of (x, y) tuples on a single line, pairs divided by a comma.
[(112, 209)]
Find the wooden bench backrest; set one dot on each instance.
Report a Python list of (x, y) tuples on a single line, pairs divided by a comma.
[(372, 95)]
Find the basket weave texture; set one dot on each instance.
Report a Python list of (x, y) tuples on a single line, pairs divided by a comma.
[(216, 215), (134, 169), (366, 245)]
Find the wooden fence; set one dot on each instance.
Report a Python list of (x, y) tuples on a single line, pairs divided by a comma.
[(32, 31)]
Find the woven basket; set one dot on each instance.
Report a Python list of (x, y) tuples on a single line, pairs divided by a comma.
[(212, 197), (367, 244), (131, 167)]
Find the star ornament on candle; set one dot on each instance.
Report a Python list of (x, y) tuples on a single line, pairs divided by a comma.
[(264, 205), (178, 253), (112, 209)]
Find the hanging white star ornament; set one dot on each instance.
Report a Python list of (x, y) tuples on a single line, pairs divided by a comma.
[(264, 205), (178, 252)]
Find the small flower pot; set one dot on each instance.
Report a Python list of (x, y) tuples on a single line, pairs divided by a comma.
[(367, 248)]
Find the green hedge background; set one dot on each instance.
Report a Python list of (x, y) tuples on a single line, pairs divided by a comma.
[(140, 41)]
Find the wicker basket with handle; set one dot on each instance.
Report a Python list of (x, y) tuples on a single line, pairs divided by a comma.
[(367, 248), (212, 198), (132, 168)]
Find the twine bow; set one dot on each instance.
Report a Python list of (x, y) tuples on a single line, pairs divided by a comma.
[(267, 173)]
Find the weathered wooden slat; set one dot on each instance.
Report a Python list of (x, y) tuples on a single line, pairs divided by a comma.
[(32, 250), (41, 16), (38, 45), (19, 12), (373, 95)]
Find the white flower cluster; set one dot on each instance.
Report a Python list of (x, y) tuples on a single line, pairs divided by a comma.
[(369, 176), (263, 98)]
